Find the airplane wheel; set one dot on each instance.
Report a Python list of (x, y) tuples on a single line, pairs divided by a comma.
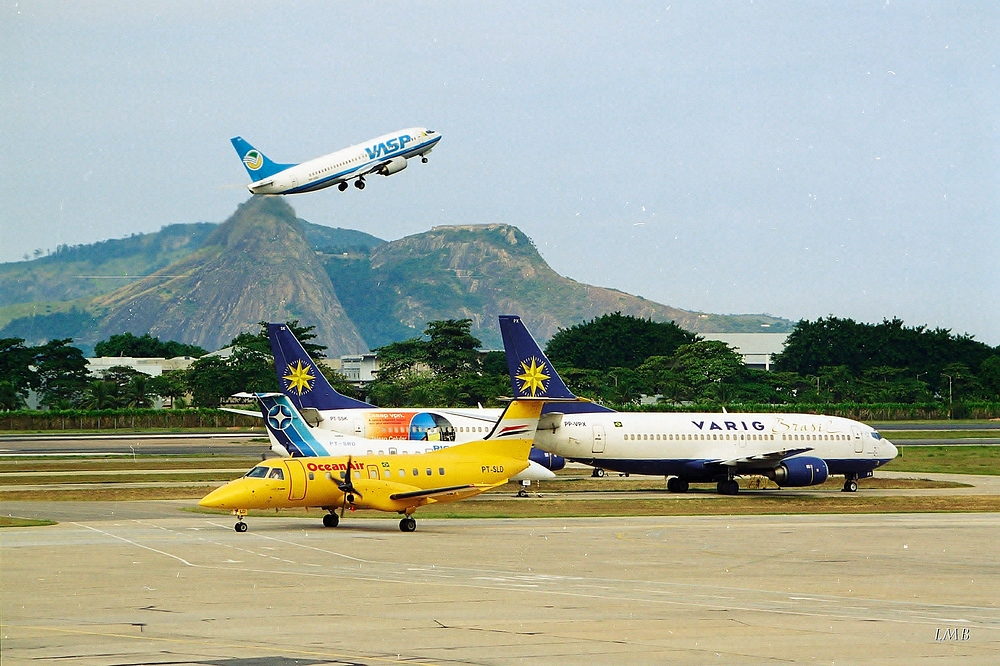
[(730, 487), (598, 472), (672, 484), (342, 186), (240, 527), (360, 184), (407, 525), (850, 486), (423, 160), (331, 520), (682, 485), (522, 493)]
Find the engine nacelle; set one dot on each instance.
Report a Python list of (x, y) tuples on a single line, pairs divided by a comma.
[(547, 460), (395, 165), (799, 472)]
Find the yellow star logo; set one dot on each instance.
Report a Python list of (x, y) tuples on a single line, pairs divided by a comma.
[(533, 376), (298, 377)]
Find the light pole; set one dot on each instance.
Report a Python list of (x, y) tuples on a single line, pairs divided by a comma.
[(949, 388)]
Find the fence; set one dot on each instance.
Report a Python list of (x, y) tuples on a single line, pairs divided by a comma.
[(115, 419)]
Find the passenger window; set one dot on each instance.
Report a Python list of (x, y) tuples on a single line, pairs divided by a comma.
[(441, 471), (311, 476), (428, 471), (416, 472), (357, 475)]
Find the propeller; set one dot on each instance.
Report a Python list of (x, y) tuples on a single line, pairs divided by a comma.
[(346, 486)]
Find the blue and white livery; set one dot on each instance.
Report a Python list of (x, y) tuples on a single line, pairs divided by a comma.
[(384, 155), (790, 449)]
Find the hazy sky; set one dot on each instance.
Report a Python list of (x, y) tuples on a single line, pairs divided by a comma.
[(795, 158)]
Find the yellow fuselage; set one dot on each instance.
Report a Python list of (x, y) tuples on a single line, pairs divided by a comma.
[(456, 472)]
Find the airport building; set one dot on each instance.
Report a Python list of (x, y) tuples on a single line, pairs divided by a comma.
[(758, 349)]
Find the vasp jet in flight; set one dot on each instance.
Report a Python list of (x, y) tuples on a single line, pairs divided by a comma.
[(790, 449), (384, 155), (400, 483)]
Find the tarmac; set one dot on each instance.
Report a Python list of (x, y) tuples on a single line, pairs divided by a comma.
[(145, 583)]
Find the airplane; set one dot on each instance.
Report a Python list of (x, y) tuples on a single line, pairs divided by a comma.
[(789, 449), (323, 407), (384, 155), (395, 483)]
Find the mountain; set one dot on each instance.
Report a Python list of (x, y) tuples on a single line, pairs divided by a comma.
[(256, 266), (205, 283), (480, 271)]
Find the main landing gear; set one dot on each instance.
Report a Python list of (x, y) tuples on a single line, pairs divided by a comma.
[(407, 524), (728, 487), (360, 183), (331, 520), (598, 472), (343, 186), (675, 484), (423, 160), (850, 483)]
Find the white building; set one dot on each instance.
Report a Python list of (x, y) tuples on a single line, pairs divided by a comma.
[(758, 349)]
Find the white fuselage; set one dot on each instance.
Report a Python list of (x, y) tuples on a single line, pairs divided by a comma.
[(385, 155), (664, 443), (403, 431)]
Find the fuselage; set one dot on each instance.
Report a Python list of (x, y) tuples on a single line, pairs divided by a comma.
[(666, 444), (384, 155), (408, 431)]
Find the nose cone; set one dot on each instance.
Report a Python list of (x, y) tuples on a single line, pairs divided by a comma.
[(891, 449), (233, 495)]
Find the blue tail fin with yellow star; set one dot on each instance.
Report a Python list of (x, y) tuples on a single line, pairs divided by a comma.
[(299, 377), (531, 373)]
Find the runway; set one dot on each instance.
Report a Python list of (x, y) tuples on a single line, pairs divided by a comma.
[(187, 589)]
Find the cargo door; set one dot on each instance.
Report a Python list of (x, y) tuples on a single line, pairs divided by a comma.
[(373, 472), (859, 442), (598, 439), (296, 480)]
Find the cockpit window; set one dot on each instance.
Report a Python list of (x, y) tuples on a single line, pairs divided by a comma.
[(431, 132), (258, 472), (875, 435), (276, 473)]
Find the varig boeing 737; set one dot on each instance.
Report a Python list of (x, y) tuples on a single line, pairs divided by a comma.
[(790, 449), (384, 155)]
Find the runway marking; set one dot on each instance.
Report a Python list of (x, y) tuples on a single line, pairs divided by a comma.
[(847, 608)]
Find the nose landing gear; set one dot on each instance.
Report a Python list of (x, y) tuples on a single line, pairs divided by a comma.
[(407, 524), (240, 526)]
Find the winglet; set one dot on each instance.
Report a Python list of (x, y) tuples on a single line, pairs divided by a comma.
[(532, 374), (299, 377)]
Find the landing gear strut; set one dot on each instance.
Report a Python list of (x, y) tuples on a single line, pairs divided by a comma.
[(407, 524), (240, 526)]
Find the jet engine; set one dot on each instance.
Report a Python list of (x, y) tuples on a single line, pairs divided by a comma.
[(547, 460), (799, 472), (395, 165)]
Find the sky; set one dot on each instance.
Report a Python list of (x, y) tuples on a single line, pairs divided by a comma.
[(801, 159)]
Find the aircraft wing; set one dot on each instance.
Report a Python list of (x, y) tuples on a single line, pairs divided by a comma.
[(445, 494), (765, 460)]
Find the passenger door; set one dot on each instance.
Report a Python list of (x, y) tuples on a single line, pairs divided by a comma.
[(859, 442), (598, 439), (296, 480)]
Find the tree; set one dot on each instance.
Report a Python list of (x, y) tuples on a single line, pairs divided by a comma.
[(99, 394), (138, 393), (989, 376), (452, 347), (15, 366), (10, 398), (708, 368), (145, 346), (62, 372), (171, 385), (615, 340)]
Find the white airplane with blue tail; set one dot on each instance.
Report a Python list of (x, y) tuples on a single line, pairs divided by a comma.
[(384, 156)]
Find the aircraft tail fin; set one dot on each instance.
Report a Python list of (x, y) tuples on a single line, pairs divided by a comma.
[(511, 437), (300, 378), (256, 162), (532, 374), (286, 425)]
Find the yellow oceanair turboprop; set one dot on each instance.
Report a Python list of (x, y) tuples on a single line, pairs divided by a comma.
[(398, 483)]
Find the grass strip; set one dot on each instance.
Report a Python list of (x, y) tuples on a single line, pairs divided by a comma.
[(11, 521)]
